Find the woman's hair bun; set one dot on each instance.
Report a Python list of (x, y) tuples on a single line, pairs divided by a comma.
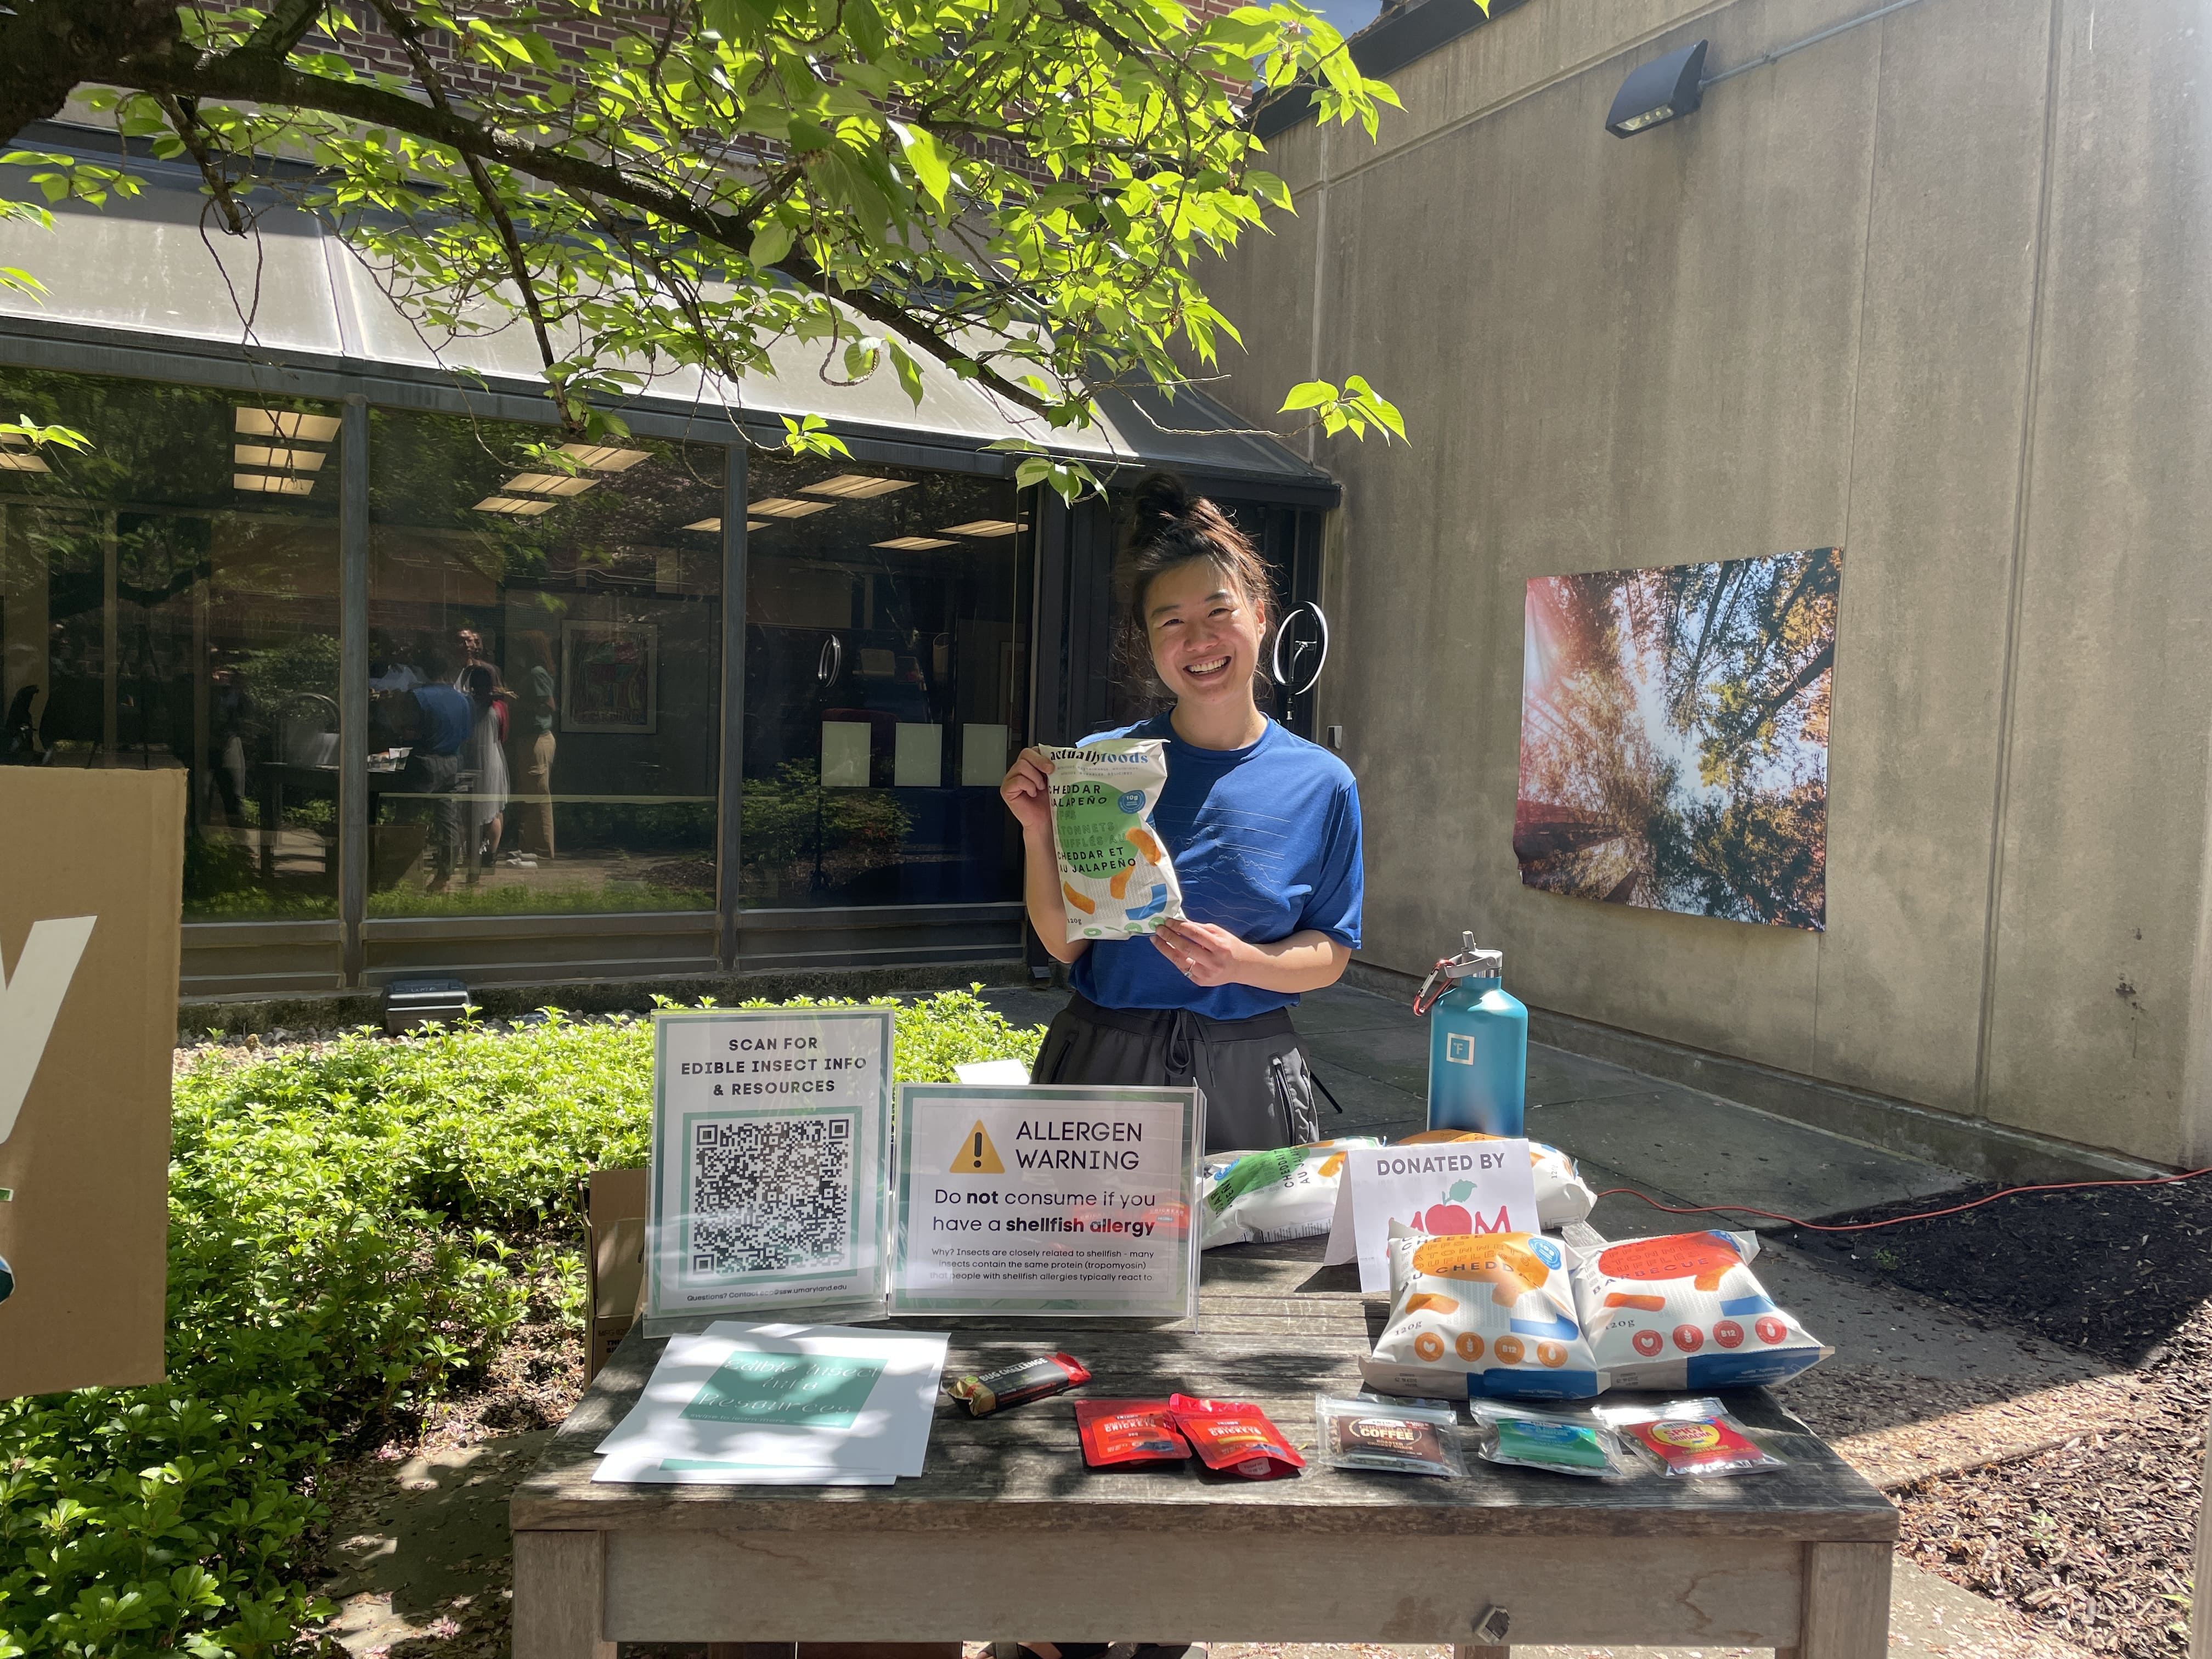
[(1161, 495)]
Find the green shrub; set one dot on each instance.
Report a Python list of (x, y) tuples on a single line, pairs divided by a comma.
[(335, 1249)]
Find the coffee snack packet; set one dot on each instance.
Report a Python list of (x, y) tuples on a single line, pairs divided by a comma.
[(1393, 1438), (1116, 880)]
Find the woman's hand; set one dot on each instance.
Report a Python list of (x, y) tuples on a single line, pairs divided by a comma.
[(1027, 794), (1206, 955)]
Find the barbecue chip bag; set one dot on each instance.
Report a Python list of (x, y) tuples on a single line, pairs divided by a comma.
[(1234, 1437), (1563, 1197), (1684, 1312), (1476, 1315), (1262, 1198), (1116, 880)]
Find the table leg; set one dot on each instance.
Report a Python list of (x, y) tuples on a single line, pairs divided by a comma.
[(560, 1595), (1846, 1613)]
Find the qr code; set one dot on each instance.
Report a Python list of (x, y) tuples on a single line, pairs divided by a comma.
[(771, 1193)]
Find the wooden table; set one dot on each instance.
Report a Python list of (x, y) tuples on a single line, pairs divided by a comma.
[(1007, 1534)]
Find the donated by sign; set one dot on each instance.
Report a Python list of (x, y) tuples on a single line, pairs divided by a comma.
[(88, 932), (1447, 1186), (771, 1158), (1017, 1199)]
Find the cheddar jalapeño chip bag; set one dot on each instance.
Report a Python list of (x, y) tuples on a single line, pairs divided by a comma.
[(1115, 878)]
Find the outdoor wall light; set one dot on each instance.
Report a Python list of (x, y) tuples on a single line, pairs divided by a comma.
[(1658, 92)]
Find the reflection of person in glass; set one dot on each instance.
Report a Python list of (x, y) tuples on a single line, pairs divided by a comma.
[(1264, 830), (533, 747), (230, 716), (486, 755), (442, 719)]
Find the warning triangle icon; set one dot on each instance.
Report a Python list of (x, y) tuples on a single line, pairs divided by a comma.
[(977, 1154)]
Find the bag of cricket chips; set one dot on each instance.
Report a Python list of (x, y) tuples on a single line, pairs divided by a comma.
[(1476, 1315), (1262, 1198), (1116, 879), (1684, 1311)]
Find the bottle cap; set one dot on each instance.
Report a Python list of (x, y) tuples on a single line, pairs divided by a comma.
[(1475, 963)]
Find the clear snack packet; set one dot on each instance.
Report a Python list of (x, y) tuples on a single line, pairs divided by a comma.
[(1396, 1437), (1116, 879), (1689, 1438), (1566, 1441)]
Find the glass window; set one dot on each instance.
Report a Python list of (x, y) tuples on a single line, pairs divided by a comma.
[(168, 599), (886, 681), (544, 670)]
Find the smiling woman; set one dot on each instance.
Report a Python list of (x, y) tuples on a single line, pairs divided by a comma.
[(1263, 829)]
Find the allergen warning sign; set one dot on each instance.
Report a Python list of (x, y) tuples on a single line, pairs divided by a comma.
[(1047, 1200)]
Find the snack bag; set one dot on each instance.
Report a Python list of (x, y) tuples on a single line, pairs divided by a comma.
[(1234, 1437), (1115, 878), (1129, 1431), (1261, 1198), (1482, 1314), (1565, 1443), (1690, 1437), (1562, 1196), (1684, 1312), (1395, 1438)]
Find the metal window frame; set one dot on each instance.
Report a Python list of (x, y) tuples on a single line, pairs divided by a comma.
[(1068, 575)]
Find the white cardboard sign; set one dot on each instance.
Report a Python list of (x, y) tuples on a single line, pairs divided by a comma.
[(1448, 1187), (771, 1156), (1019, 1199)]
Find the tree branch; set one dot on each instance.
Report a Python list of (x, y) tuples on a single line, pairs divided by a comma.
[(256, 80), (186, 120), (285, 25)]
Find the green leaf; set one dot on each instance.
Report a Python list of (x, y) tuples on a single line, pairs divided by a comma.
[(931, 161), (771, 242), (1310, 394)]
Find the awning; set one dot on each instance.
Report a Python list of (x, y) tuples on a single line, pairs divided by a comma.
[(149, 287)]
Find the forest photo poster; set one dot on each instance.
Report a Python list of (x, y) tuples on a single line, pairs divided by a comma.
[(1675, 736)]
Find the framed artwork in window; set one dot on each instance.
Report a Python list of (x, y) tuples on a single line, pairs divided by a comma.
[(610, 677)]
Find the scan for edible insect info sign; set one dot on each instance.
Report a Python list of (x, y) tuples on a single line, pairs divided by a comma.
[(771, 1160), (1048, 1200)]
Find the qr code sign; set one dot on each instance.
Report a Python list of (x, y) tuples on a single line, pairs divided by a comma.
[(769, 1194)]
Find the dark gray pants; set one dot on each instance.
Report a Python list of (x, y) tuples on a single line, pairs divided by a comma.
[(1259, 1092)]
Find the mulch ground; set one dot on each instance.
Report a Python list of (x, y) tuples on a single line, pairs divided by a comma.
[(2093, 1537)]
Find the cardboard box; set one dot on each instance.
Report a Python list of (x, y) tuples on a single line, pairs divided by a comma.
[(91, 882), (614, 1260)]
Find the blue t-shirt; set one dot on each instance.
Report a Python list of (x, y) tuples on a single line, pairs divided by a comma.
[(446, 717), (1266, 843)]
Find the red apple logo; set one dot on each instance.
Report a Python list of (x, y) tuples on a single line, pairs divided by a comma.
[(1688, 1337), (1648, 1343), (1445, 1219), (1728, 1333), (1772, 1329)]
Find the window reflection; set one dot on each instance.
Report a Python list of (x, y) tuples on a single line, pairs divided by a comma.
[(168, 599), (544, 672), (886, 677)]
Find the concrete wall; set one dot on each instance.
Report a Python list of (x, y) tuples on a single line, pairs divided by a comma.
[(1934, 289)]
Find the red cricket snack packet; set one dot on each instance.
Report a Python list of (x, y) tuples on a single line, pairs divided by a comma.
[(1129, 1431), (1234, 1437)]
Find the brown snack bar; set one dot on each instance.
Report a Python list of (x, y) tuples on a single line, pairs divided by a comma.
[(1015, 1385)]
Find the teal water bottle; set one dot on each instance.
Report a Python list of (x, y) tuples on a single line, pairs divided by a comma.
[(1478, 1045)]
